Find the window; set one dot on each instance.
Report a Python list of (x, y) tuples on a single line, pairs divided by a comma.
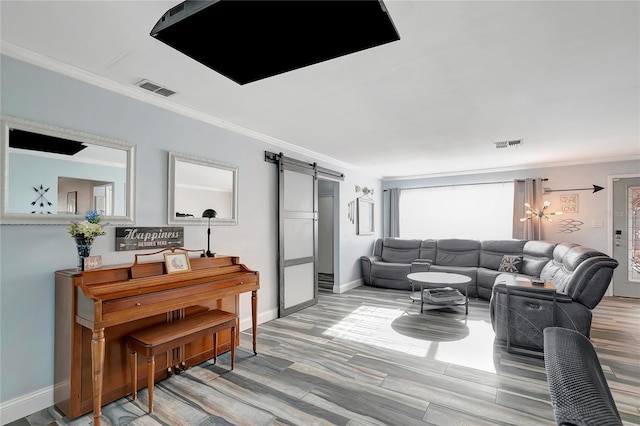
[(476, 211)]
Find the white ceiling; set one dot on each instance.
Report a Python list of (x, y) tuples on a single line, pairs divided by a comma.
[(563, 76)]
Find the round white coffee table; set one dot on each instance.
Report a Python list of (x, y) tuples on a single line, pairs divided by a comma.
[(438, 280)]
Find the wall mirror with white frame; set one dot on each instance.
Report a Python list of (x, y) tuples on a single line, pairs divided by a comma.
[(197, 184), (53, 175)]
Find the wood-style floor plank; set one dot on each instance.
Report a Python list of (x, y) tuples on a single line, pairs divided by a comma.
[(368, 357)]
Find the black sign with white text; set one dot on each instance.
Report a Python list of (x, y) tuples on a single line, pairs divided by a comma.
[(142, 238)]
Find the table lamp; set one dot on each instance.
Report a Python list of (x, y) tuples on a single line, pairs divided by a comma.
[(209, 213)]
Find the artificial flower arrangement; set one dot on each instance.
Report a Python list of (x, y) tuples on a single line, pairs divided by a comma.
[(84, 232)]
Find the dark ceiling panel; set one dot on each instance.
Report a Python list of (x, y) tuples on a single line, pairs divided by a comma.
[(37, 142), (251, 40)]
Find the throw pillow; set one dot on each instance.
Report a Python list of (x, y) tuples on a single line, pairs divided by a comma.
[(510, 263)]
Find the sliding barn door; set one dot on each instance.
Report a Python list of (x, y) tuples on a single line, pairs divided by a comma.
[(298, 236)]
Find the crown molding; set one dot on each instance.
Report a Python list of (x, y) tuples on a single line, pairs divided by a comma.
[(511, 169), (36, 59)]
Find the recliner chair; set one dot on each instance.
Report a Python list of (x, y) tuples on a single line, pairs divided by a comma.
[(581, 276)]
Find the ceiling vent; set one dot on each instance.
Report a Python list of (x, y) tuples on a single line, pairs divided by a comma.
[(508, 144), (155, 88)]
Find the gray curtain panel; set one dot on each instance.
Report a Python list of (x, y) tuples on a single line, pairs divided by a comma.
[(530, 191), (392, 213)]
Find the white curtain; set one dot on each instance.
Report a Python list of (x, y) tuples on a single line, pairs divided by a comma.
[(478, 211)]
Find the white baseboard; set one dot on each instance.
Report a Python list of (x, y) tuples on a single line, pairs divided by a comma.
[(245, 323), (25, 405), (341, 288)]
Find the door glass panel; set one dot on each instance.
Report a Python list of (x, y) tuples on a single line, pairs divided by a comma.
[(634, 232), (298, 238), (298, 192), (302, 289)]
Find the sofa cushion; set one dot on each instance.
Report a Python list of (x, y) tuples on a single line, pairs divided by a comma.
[(551, 269), (536, 254), (428, 250), (396, 250), (458, 252), (491, 251), (395, 271), (510, 263)]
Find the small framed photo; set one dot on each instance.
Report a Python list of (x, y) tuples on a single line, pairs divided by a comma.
[(72, 199), (177, 262)]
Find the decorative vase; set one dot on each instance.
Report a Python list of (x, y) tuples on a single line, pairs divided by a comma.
[(83, 245)]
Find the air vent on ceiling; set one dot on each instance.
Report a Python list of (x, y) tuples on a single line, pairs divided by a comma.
[(155, 88), (508, 144)]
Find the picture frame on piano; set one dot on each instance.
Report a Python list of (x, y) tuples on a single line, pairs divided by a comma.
[(176, 262)]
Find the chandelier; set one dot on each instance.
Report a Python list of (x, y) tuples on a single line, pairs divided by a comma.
[(542, 213)]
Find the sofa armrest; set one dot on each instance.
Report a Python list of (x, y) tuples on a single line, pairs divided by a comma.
[(370, 259), (577, 385), (366, 262), (421, 265), (530, 292)]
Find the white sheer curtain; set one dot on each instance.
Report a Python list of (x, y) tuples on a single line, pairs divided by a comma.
[(478, 211)]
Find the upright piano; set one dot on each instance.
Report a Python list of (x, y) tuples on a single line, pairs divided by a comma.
[(97, 309)]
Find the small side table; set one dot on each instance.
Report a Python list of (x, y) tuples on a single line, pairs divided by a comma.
[(544, 288)]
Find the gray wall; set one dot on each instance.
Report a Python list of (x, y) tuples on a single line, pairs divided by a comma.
[(30, 254), (593, 207)]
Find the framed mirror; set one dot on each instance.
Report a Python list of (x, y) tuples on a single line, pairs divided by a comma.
[(364, 216), (53, 175), (197, 184)]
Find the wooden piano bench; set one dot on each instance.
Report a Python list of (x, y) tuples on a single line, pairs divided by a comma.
[(157, 339)]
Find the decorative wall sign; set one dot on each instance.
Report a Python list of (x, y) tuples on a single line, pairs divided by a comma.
[(569, 203), (567, 226), (41, 201), (142, 238), (595, 188)]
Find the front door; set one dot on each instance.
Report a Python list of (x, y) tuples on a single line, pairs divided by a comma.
[(626, 236)]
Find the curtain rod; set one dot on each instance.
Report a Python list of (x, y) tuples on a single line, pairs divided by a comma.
[(467, 184)]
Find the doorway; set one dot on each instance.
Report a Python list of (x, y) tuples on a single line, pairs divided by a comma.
[(298, 214), (327, 203), (626, 235)]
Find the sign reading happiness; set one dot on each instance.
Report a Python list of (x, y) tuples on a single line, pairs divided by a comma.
[(141, 238)]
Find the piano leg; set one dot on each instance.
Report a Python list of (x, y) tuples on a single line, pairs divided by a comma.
[(97, 365), (254, 318)]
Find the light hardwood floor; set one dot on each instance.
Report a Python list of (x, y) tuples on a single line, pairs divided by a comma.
[(368, 357)]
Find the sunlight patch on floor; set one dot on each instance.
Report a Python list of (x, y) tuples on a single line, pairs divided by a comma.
[(373, 325)]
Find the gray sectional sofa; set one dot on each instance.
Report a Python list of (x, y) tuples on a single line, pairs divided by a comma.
[(394, 258), (580, 274)]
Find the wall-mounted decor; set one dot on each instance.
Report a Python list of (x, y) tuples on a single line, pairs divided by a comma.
[(569, 203), (98, 169), (72, 198), (595, 189), (142, 238), (351, 207), (197, 184), (364, 211), (568, 226), (41, 201), (364, 224)]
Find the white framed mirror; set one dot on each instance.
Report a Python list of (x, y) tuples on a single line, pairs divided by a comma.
[(364, 216), (197, 184), (53, 175)]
